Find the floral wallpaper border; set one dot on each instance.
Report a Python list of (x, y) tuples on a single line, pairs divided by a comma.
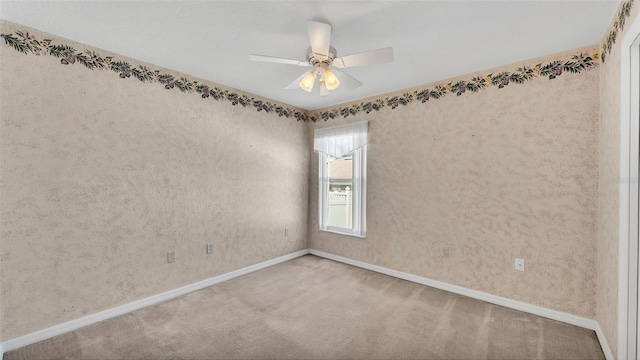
[(553, 69), (28, 44), (617, 27)]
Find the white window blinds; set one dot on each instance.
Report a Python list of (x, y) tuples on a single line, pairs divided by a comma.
[(340, 140)]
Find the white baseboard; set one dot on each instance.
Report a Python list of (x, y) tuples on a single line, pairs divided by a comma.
[(152, 300), (603, 343), (1, 351), (498, 300), (127, 308)]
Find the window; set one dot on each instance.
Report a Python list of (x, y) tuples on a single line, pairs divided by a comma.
[(342, 178)]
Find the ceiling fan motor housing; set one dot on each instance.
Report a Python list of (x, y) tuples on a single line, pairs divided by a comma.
[(320, 60)]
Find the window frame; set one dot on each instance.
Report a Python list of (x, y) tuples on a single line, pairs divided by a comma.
[(359, 194)]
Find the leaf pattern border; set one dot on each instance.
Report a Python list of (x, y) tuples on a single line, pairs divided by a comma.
[(577, 64), (618, 25), (28, 44)]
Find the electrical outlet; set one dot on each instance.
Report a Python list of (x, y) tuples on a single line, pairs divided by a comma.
[(209, 248), (286, 232), (520, 264), (171, 257), (445, 252)]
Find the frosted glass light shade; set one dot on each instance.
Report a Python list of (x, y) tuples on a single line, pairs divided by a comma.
[(323, 89), (307, 82), (331, 80)]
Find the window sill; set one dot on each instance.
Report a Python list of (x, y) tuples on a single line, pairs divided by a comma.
[(337, 231)]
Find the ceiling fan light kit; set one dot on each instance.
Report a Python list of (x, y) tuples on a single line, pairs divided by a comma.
[(322, 57), (307, 81), (330, 80)]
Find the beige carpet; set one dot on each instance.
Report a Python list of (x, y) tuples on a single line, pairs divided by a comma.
[(313, 308)]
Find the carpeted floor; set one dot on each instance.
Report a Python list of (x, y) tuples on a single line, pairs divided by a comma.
[(313, 308)]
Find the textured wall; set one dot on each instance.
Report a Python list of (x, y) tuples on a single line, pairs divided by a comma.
[(493, 175), (608, 193), (101, 176)]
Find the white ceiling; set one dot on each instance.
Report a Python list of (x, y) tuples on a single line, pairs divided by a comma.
[(432, 40)]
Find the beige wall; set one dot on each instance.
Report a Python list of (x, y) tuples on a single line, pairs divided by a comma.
[(101, 176), (609, 170), (493, 175)]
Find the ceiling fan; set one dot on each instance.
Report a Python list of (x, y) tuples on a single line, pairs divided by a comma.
[(322, 57)]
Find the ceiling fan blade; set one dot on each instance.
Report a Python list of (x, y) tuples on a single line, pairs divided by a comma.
[(319, 37), (295, 84), (278, 60), (350, 83), (379, 56)]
